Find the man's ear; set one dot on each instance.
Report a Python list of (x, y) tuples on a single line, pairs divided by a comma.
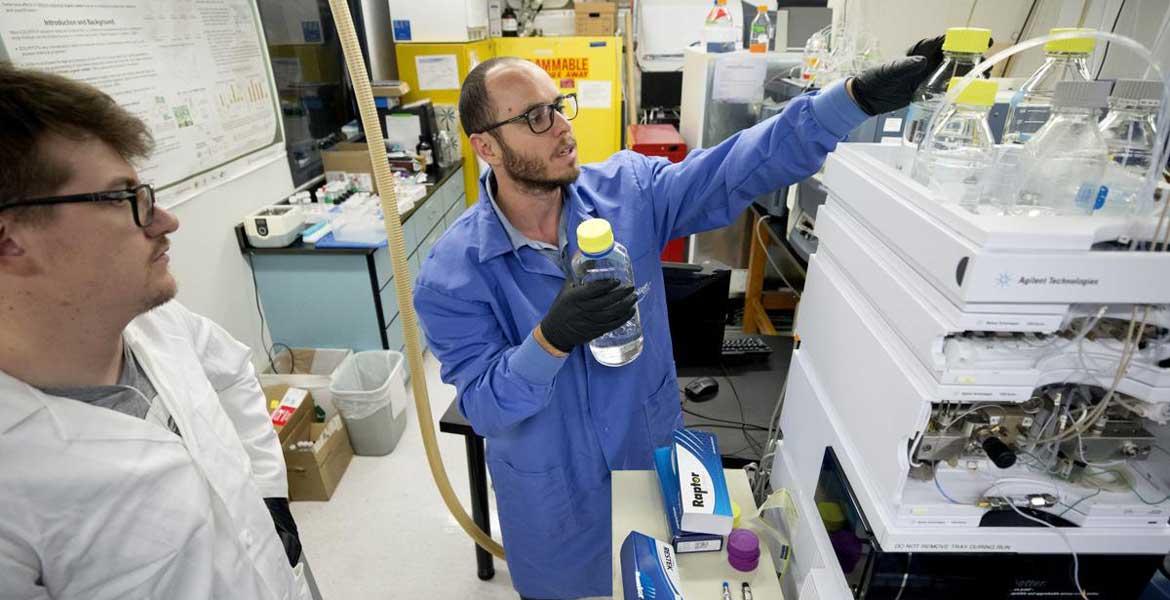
[(12, 253), (486, 147)]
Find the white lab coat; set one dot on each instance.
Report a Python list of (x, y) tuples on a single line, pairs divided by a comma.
[(96, 504)]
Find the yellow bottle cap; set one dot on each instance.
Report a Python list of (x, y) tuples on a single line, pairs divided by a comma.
[(980, 92), (967, 39), (831, 515), (595, 236), (762, 8), (736, 512), (1082, 45)]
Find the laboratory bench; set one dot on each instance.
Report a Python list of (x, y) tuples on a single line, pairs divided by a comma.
[(318, 297)]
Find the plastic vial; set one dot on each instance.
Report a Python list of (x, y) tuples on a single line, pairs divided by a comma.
[(959, 150), (1129, 135), (761, 31), (1031, 105), (1064, 163), (600, 257), (962, 50), (719, 31)]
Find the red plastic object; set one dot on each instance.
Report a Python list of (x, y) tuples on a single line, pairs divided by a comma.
[(662, 140), (658, 140)]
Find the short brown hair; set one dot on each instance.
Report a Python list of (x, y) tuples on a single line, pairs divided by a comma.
[(34, 103)]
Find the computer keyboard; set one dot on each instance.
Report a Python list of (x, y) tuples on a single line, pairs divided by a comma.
[(745, 347)]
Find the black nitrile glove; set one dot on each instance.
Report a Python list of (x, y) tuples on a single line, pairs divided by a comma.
[(286, 528), (890, 86), (931, 48), (582, 313)]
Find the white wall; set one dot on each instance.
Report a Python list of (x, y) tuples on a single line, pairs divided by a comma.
[(214, 278)]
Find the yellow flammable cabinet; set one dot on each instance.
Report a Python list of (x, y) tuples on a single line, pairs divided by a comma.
[(587, 66), (437, 71)]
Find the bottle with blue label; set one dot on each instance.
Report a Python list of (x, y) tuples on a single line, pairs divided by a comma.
[(1064, 163), (600, 257), (1131, 138), (962, 50), (1031, 105)]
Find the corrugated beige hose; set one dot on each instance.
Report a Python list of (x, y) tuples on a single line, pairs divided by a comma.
[(389, 194)]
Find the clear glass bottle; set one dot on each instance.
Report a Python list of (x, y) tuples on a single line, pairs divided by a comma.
[(816, 53), (761, 31), (719, 31), (962, 50), (957, 153), (1031, 105), (1129, 135), (600, 257), (1064, 163)]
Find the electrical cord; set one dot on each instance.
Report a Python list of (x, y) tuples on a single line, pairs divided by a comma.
[(1023, 31), (737, 424), (742, 417), (260, 311), (761, 483), (1113, 29)]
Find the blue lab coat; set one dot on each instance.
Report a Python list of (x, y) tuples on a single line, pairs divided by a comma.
[(556, 428)]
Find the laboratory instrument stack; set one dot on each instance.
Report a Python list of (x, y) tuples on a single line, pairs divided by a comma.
[(978, 404)]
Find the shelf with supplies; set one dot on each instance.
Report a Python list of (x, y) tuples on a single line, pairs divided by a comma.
[(343, 297)]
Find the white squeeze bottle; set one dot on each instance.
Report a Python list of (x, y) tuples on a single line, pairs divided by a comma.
[(955, 157), (600, 257), (962, 49), (1129, 134)]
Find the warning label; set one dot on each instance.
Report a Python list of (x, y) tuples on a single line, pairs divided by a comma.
[(565, 68)]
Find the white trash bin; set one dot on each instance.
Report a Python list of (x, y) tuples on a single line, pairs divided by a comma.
[(370, 395)]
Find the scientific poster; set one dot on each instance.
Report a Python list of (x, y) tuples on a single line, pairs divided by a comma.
[(196, 71)]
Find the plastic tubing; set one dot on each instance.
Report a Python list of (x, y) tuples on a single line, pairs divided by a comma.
[(389, 193)]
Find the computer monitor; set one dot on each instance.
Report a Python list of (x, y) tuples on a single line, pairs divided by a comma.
[(696, 305)]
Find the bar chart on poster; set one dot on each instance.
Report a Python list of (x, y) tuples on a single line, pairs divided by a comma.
[(197, 73)]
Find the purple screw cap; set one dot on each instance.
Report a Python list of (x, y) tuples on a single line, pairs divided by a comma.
[(743, 550)]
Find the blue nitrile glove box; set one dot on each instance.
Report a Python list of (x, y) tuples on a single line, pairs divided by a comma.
[(683, 541), (649, 569)]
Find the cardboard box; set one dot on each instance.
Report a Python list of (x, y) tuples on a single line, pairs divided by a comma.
[(291, 409), (315, 470), (307, 368), (596, 18), (350, 157)]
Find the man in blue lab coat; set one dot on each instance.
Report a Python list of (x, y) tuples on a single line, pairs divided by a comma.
[(512, 332)]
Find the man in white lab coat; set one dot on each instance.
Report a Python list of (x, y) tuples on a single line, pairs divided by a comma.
[(136, 455)]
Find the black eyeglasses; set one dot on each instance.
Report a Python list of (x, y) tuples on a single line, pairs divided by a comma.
[(540, 118), (141, 198)]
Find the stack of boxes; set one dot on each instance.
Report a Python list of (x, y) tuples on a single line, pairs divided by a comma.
[(694, 492)]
